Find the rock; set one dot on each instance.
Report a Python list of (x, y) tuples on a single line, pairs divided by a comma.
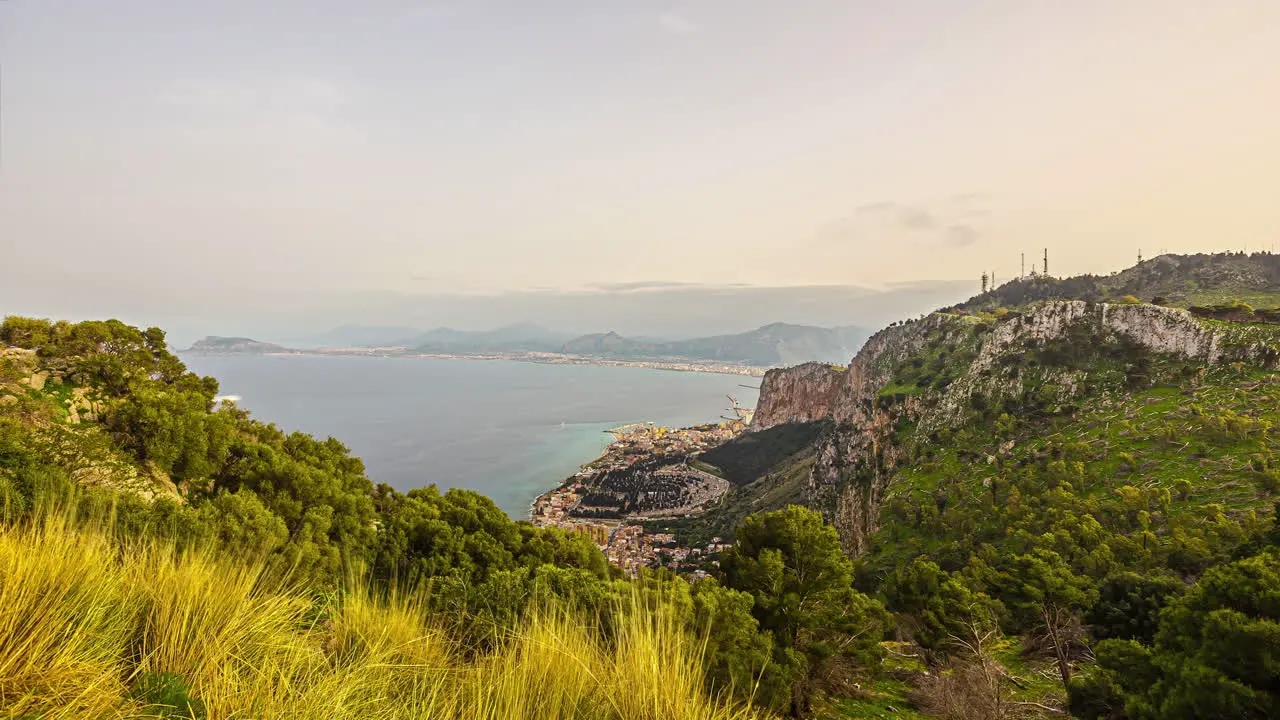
[(8, 400), (38, 380), (798, 394)]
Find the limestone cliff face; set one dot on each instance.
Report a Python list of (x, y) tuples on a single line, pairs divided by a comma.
[(856, 460), (797, 394)]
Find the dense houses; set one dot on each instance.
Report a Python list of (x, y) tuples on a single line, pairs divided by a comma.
[(627, 545)]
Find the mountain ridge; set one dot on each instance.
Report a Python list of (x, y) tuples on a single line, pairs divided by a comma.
[(767, 346)]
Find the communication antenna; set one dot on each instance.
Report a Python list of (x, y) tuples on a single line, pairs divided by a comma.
[(984, 282), (1139, 256), (1045, 268), (1023, 271)]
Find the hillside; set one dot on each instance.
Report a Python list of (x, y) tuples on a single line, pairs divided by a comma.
[(976, 454)]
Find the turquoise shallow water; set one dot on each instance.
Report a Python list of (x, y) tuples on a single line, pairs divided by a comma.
[(509, 430)]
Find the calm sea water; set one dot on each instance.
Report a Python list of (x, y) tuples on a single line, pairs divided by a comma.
[(506, 429)]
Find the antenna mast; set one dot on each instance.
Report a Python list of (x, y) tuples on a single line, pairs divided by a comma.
[(1045, 268)]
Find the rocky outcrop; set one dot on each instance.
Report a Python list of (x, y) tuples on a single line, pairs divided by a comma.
[(1159, 329), (857, 459), (797, 394)]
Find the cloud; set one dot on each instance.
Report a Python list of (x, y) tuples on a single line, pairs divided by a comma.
[(962, 235), (951, 221), (914, 218), (639, 285), (676, 24), (874, 208)]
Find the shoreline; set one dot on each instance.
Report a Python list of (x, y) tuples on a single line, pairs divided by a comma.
[(533, 358)]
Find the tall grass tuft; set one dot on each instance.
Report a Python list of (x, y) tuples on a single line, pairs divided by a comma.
[(94, 628)]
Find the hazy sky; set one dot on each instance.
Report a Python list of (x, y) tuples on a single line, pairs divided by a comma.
[(249, 154)]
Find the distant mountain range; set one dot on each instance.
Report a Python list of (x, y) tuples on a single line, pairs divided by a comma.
[(768, 346), (776, 344)]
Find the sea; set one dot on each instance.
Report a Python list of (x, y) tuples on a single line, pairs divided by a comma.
[(509, 430)]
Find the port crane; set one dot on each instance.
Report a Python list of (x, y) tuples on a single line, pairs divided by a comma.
[(741, 414)]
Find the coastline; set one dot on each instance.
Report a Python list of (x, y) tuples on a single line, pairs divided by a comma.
[(672, 365)]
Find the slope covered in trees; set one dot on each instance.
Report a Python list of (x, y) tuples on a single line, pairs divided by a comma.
[(1054, 499)]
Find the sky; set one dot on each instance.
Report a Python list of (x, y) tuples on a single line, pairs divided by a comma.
[(223, 164)]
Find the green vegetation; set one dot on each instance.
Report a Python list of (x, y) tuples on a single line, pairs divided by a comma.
[(1082, 499), (750, 455), (99, 626), (823, 630)]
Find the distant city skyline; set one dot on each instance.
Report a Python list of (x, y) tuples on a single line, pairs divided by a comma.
[(207, 164)]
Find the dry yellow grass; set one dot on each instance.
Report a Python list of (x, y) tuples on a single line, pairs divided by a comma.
[(83, 620)]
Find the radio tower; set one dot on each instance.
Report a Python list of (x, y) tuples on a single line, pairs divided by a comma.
[(1044, 269), (1023, 272)]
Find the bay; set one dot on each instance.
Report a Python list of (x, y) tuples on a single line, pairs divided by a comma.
[(509, 430)]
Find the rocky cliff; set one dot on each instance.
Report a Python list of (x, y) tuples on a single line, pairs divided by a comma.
[(797, 394), (945, 370)]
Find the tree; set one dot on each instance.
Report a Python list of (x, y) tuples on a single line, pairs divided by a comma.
[(29, 333), (736, 655), (1129, 605), (1099, 694), (1044, 594), (801, 582), (942, 606), (1217, 653)]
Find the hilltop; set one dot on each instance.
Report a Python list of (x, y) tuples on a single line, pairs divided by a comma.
[(1201, 280)]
